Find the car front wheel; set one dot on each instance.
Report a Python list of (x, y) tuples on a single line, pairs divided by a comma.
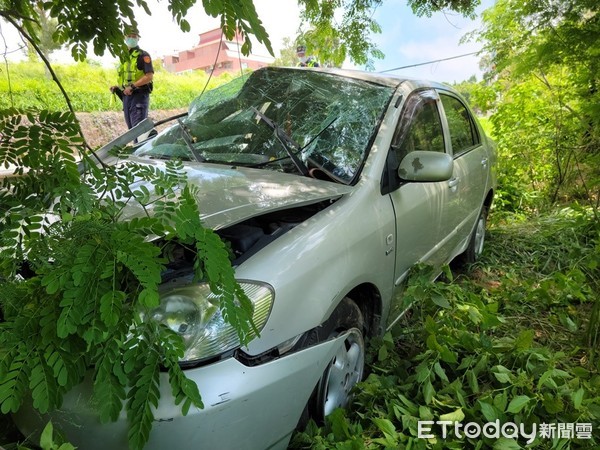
[(346, 368), (343, 373)]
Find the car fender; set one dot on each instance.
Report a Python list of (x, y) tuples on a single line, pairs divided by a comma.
[(315, 265)]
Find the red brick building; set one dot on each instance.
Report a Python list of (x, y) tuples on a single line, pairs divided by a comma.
[(215, 55)]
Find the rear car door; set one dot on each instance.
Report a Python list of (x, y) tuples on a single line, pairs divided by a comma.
[(466, 189)]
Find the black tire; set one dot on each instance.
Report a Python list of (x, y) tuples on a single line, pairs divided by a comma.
[(477, 239), (346, 369)]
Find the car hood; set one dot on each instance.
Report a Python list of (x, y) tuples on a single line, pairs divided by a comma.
[(229, 195)]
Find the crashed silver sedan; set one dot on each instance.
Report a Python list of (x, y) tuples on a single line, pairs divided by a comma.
[(328, 185)]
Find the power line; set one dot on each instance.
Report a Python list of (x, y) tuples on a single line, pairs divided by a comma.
[(429, 62)]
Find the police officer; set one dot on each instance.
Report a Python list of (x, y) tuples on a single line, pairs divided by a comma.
[(134, 80), (305, 61)]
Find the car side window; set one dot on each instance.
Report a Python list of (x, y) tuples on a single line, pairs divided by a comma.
[(463, 132), (420, 127)]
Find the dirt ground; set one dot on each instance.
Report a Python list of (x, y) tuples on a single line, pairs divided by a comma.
[(100, 128)]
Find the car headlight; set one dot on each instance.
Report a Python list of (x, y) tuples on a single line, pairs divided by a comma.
[(193, 312)]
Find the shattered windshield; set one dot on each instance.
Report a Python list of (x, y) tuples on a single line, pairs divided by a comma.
[(281, 119)]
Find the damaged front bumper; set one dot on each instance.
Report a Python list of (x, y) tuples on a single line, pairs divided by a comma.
[(250, 408)]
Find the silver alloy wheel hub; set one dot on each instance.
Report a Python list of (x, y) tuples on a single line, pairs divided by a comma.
[(345, 371), (480, 235)]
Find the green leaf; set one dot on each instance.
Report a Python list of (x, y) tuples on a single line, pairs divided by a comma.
[(472, 380), (110, 381), (428, 392), (47, 437), (111, 304), (149, 298), (448, 355), (506, 444), (382, 355), (552, 404), (339, 424), (501, 401), (56, 362), (142, 396), (70, 317), (489, 411), (385, 426), (524, 340), (423, 372), (546, 379), (67, 446), (577, 398), (440, 372), (425, 413), (15, 383), (502, 374), (440, 301), (580, 372), (518, 403), (43, 386), (110, 395), (455, 416)]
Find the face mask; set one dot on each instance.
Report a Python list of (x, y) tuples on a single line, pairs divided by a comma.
[(131, 42)]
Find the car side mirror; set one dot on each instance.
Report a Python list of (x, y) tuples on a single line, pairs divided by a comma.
[(426, 166)]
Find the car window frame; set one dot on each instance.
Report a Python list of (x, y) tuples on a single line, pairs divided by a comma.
[(472, 122), (413, 100)]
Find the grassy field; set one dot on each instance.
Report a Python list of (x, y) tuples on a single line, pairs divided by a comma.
[(29, 86)]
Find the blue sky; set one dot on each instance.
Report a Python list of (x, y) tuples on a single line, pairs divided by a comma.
[(407, 39)]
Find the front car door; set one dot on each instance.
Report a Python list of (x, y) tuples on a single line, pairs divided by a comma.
[(418, 207)]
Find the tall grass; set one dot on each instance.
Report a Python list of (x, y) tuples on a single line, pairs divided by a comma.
[(27, 85)]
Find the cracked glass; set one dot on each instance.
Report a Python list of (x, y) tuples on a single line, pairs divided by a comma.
[(305, 122)]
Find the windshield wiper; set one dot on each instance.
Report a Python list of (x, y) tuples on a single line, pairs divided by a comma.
[(188, 141), (288, 143), (301, 149)]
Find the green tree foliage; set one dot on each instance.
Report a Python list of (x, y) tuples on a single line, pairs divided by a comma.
[(78, 21), (543, 57), (427, 8), (78, 302), (46, 28), (287, 55), (334, 40), (481, 96), (341, 29)]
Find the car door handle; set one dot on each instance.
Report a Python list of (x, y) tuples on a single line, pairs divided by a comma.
[(453, 182)]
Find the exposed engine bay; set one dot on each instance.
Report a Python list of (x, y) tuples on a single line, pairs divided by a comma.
[(244, 239)]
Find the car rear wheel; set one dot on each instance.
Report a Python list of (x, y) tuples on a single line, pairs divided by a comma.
[(477, 240), (346, 368)]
